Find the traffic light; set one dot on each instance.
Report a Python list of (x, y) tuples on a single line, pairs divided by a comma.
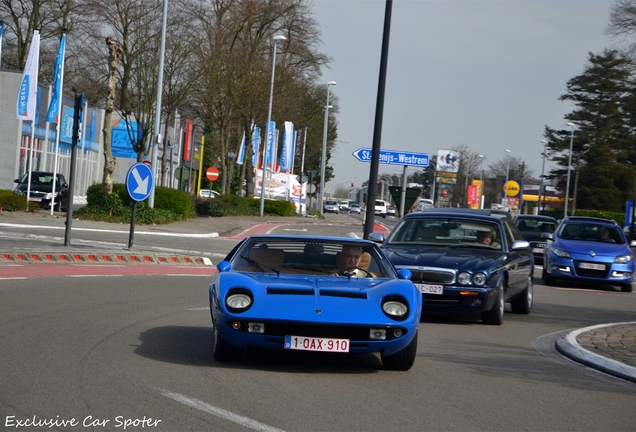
[(351, 184)]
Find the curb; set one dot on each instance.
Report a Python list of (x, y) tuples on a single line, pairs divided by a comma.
[(569, 347), (101, 258)]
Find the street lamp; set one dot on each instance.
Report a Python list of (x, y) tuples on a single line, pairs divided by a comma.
[(323, 161), (269, 119), (505, 188), (481, 180), (567, 183), (541, 190)]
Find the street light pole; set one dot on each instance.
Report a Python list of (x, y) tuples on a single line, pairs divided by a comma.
[(541, 190), (269, 119), (505, 188), (567, 184), (323, 160)]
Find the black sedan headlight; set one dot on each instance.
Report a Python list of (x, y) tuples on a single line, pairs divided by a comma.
[(395, 307), (238, 300)]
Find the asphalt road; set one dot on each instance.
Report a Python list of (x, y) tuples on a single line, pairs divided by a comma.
[(134, 351)]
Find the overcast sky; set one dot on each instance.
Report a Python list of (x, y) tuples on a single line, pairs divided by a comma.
[(484, 74)]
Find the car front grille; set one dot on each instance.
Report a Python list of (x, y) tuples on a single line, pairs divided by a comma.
[(590, 273), (281, 329), (431, 275)]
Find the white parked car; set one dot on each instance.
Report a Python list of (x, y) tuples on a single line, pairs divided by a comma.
[(344, 205), (208, 193)]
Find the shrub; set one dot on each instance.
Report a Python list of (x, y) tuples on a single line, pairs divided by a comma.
[(10, 201)]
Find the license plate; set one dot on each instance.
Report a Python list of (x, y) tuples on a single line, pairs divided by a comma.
[(430, 289), (316, 344), (591, 266), (537, 250)]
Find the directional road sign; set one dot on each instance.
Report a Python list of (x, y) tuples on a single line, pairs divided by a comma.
[(139, 181), (394, 157)]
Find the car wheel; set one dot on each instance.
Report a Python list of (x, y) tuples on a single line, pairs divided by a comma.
[(402, 360), (547, 279), (221, 350), (495, 315), (626, 288), (523, 303)]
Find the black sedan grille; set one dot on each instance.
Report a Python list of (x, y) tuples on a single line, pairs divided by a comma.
[(431, 275)]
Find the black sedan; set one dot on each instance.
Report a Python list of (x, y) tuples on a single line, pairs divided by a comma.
[(41, 189), (464, 261), (536, 229)]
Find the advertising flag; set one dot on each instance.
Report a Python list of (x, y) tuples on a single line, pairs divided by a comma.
[(270, 144), (286, 153), (1, 31), (241, 154), (52, 115), (255, 147), (27, 94)]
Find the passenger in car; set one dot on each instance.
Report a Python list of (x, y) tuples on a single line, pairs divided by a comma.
[(487, 238), (603, 235)]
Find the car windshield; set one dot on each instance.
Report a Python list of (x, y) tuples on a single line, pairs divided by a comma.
[(591, 232), (40, 178), (450, 232), (331, 203), (311, 257), (536, 225)]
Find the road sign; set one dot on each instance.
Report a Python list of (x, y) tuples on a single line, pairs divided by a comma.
[(301, 178), (139, 181), (212, 174), (182, 173), (393, 157)]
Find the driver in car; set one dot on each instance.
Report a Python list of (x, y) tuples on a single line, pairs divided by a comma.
[(351, 256)]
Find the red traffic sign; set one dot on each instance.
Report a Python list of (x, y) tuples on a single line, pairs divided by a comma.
[(212, 174)]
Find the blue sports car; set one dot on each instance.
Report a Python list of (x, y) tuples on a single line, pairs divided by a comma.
[(321, 294), (589, 250)]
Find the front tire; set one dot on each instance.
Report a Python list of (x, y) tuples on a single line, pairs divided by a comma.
[(523, 303), (221, 350), (626, 288), (495, 315), (402, 360)]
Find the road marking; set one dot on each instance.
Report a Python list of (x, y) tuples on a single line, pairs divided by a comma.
[(219, 412), (167, 234), (291, 229)]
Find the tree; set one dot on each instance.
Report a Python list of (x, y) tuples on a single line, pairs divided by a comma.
[(604, 97)]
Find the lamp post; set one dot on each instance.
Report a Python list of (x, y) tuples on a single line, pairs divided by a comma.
[(567, 183), (269, 119), (541, 190), (481, 180), (505, 188), (323, 160)]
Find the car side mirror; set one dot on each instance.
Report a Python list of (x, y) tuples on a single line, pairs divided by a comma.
[(224, 266), (16, 181), (404, 274), (376, 237)]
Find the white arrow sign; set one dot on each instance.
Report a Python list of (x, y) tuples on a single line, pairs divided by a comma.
[(142, 184)]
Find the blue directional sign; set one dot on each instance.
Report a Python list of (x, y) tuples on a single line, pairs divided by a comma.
[(139, 181), (393, 157)]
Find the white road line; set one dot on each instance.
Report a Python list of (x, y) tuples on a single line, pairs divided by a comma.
[(219, 412), (209, 235)]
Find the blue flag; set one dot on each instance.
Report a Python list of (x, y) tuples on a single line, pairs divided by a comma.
[(58, 77)]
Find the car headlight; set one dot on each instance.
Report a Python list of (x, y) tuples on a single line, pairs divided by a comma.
[(561, 253), (623, 259), (50, 195), (463, 278), (238, 300), (479, 279), (395, 307)]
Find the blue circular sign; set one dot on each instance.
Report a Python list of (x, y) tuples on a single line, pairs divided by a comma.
[(139, 181)]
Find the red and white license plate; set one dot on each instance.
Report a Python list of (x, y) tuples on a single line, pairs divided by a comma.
[(592, 266), (316, 344), (430, 289)]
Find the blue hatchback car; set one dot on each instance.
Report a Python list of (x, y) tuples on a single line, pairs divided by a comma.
[(589, 250)]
